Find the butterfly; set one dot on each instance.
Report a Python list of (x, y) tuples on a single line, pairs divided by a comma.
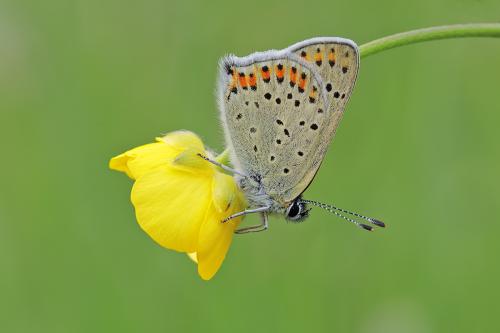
[(280, 110)]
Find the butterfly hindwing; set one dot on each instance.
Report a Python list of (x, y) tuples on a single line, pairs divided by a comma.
[(336, 62), (278, 116)]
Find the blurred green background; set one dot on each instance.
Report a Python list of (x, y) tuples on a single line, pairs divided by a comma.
[(81, 81)]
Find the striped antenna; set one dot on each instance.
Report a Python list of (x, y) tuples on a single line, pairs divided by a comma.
[(336, 210)]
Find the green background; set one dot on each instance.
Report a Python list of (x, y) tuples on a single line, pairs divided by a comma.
[(82, 81)]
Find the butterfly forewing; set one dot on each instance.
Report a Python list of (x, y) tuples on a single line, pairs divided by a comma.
[(279, 115)]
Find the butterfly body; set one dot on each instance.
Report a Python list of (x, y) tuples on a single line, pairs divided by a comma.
[(280, 110)]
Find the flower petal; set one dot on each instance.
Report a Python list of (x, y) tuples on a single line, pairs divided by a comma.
[(183, 140), (215, 236), (138, 161), (189, 160), (193, 256), (171, 205), (214, 241), (223, 191)]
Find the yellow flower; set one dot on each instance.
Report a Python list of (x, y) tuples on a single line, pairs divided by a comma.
[(180, 199)]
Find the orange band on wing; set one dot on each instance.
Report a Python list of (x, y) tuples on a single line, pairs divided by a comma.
[(252, 81), (331, 57), (266, 74), (280, 73), (234, 81), (318, 58), (243, 80), (302, 82), (293, 76), (312, 94)]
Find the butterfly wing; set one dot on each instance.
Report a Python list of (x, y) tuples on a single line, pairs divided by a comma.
[(337, 62), (279, 114)]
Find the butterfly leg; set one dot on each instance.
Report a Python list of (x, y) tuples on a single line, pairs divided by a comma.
[(255, 228), (222, 166), (245, 212)]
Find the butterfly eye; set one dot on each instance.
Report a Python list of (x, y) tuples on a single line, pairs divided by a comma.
[(297, 211), (294, 211)]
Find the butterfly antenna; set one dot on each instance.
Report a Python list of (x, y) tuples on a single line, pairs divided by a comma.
[(336, 210)]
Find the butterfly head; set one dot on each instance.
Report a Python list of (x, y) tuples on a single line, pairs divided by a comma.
[(297, 211)]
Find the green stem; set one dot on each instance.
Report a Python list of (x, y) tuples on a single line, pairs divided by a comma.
[(427, 34), (417, 36)]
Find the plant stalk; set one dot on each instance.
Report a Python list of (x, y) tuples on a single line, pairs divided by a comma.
[(413, 37), (428, 34)]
